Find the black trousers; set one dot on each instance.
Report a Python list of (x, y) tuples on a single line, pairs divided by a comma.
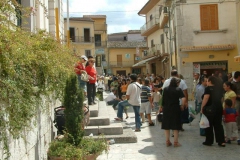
[(91, 92), (216, 124)]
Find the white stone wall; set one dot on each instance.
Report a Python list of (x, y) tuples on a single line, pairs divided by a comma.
[(35, 144), (135, 37)]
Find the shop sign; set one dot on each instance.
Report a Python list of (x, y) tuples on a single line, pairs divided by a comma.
[(99, 51), (196, 68)]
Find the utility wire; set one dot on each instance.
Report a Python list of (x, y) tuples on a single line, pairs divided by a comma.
[(103, 11)]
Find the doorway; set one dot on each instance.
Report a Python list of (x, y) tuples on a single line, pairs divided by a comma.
[(153, 66), (119, 60), (121, 72), (86, 35), (98, 40)]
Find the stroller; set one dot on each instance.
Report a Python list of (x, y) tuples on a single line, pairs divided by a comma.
[(59, 120)]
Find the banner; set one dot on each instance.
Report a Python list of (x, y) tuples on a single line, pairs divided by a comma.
[(196, 68)]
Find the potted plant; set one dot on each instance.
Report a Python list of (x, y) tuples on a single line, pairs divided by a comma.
[(74, 146)]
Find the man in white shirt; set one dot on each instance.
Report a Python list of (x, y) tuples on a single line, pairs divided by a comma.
[(133, 99), (111, 99)]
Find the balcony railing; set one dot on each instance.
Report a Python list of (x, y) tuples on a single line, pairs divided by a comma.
[(150, 26), (100, 27), (155, 50), (121, 63), (80, 39), (164, 17), (100, 43)]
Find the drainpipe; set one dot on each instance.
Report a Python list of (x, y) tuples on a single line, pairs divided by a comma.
[(57, 22), (68, 32)]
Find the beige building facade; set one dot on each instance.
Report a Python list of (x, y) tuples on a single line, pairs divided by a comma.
[(157, 56), (204, 36), (88, 36), (124, 50)]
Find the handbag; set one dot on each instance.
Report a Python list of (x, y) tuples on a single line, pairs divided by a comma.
[(160, 117), (84, 76), (209, 110)]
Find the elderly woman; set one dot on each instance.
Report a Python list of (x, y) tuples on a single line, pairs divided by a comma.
[(172, 110), (79, 69), (213, 96), (91, 87)]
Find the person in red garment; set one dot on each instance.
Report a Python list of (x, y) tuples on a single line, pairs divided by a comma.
[(91, 88)]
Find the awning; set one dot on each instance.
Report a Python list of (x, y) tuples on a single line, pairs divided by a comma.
[(144, 61), (207, 48)]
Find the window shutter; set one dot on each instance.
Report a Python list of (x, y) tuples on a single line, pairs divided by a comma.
[(209, 17), (204, 17), (213, 17)]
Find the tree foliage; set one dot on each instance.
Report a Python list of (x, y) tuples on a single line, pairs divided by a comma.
[(32, 66)]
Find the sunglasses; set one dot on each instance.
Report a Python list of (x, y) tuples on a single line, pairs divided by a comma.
[(92, 61)]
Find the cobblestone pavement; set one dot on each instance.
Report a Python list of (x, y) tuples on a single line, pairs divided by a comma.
[(151, 145)]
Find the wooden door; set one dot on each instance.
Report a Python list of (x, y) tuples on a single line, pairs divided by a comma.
[(86, 35), (119, 60)]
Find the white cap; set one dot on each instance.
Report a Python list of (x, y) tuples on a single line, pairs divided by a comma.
[(84, 57)]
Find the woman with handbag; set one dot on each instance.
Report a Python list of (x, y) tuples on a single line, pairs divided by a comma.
[(80, 69), (212, 108), (91, 87)]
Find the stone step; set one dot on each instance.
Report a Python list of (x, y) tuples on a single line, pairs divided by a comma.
[(93, 110), (112, 129), (99, 121)]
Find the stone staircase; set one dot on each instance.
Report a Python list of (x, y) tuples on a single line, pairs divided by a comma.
[(102, 122)]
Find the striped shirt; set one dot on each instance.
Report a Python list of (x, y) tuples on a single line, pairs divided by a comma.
[(146, 92)]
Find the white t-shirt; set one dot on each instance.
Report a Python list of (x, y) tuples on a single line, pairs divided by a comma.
[(110, 97), (134, 91), (182, 84)]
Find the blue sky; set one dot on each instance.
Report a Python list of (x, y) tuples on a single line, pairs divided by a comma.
[(121, 14)]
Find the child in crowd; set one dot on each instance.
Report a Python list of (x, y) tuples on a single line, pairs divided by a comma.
[(156, 95), (229, 118), (124, 98)]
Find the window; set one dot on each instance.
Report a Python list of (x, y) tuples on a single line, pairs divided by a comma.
[(87, 53), (19, 14), (151, 17), (103, 57), (87, 35), (162, 38), (72, 33), (125, 38), (98, 61), (152, 43), (209, 17)]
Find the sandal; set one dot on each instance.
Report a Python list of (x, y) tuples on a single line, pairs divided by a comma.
[(137, 130), (168, 143), (176, 144), (118, 119), (126, 117)]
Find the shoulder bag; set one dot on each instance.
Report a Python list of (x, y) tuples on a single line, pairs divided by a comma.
[(84, 76)]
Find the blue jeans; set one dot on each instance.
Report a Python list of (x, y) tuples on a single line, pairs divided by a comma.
[(122, 105), (113, 102), (137, 117)]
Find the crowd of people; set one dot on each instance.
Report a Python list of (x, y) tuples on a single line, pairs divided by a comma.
[(149, 92)]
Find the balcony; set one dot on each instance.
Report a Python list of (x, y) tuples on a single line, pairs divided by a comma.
[(121, 63), (153, 51), (164, 17), (101, 44), (100, 27), (150, 27), (80, 39)]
